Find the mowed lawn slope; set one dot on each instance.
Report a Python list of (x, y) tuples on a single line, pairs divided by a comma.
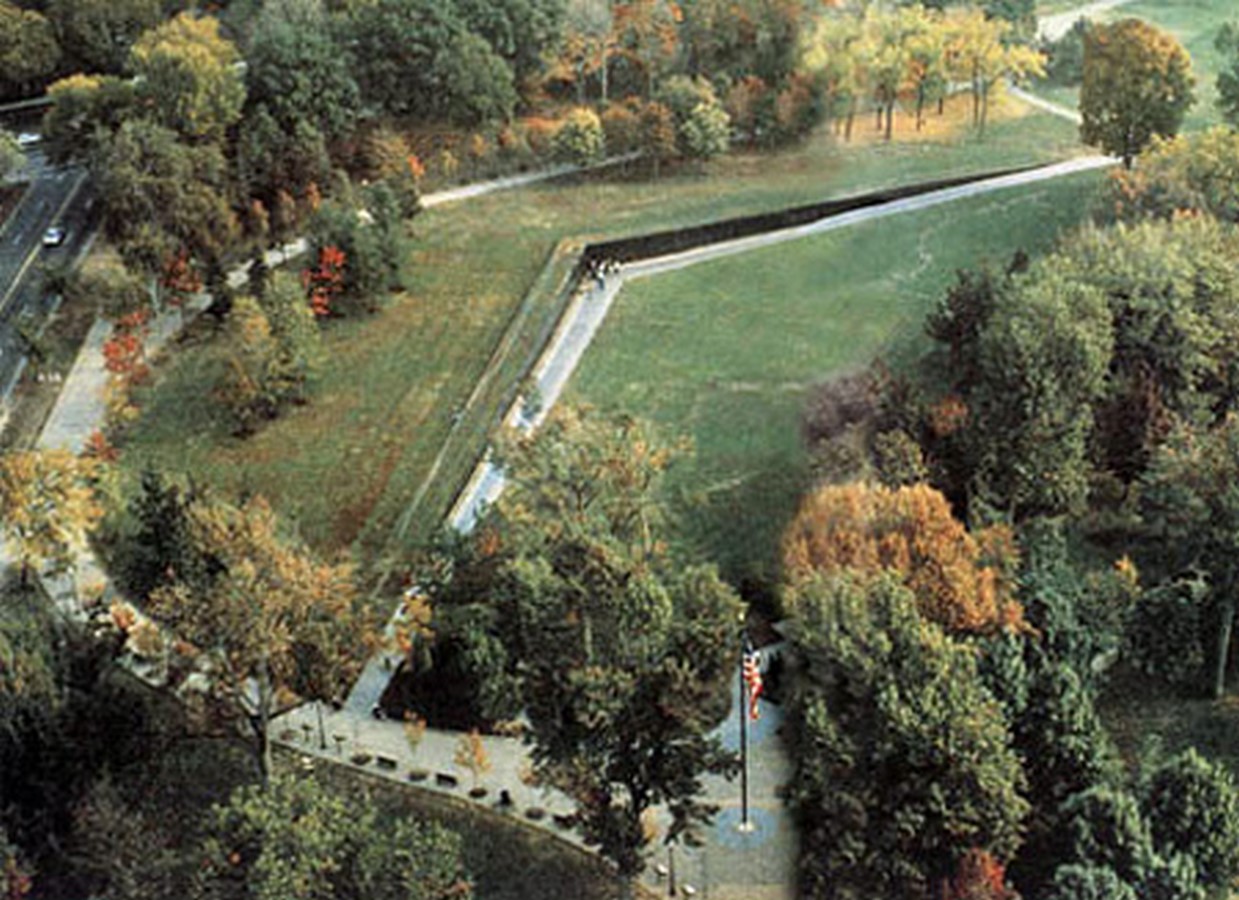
[(728, 352), (345, 466)]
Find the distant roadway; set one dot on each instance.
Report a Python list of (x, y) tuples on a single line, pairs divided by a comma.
[(55, 196)]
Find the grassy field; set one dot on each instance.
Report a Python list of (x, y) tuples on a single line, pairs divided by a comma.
[(728, 351), (344, 468), (1195, 23)]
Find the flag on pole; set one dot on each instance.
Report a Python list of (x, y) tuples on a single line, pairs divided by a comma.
[(751, 672)]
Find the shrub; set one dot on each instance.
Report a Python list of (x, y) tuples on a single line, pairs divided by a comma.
[(706, 132), (1193, 809), (622, 126), (1164, 632), (579, 139)]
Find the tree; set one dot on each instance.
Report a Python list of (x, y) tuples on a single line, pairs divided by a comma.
[(1066, 751), (869, 531), (1044, 355), (471, 754), (357, 258), (982, 56), (28, 49), (247, 388), (1137, 84), (298, 341), (903, 759), (47, 506), (98, 34), (32, 679), (157, 548), (301, 97), (978, 876), (1191, 515), (275, 622), (86, 111), (1193, 809), (624, 651), (418, 58), (1173, 296), (161, 196), (519, 31), (188, 74), (1227, 46), (658, 137), (579, 139), (1196, 172), (1105, 828), (296, 840), (1077, 882), (647, 34), (588, 42)]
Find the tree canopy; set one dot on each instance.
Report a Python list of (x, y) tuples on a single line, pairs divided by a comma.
[(1138, 83)]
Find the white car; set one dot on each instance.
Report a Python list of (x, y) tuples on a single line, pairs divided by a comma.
[(54, 236), (28, 139)]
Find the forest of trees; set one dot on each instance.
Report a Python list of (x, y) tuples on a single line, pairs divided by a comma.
[(1043, 506)]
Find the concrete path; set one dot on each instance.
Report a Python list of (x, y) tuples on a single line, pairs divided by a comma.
[(1051, 28), (1056, 109)]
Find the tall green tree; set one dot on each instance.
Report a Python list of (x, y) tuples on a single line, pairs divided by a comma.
[(1044, 355), (624, 648), (86, 111), (903, 758), (300, 97), (418, 58), (1227, 46), (187, 74), (162, 196), (1138, 83), (1190, 507), (29, 52)]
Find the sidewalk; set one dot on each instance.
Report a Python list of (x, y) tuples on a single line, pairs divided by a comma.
[(730, 865)]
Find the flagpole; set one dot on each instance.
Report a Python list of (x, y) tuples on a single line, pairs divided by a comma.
[(745, 824)]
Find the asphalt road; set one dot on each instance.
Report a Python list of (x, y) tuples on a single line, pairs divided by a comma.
[(55, 196)]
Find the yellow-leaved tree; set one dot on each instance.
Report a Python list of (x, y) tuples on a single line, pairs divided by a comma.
[(47, 506), (277, 624)]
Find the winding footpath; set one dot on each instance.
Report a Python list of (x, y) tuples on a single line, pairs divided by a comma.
[(732, 864)]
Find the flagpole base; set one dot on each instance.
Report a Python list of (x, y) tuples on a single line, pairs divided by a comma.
[(746, 827)]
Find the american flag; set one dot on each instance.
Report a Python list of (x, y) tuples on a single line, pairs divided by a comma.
[(750, 671)]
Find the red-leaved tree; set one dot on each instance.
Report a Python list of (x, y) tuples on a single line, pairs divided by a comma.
[(325, 281)]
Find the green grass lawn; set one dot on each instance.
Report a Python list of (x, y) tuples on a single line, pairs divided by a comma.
[(344, 468), (728, 351), (1195, 23)]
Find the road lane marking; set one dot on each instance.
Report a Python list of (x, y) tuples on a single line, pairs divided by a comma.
[(29, 261)]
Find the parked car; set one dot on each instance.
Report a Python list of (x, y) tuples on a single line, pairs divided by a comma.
[(54, 236), (28, 139)]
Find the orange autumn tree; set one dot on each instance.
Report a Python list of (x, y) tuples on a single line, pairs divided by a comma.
[(978, 876), (961, 581)]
